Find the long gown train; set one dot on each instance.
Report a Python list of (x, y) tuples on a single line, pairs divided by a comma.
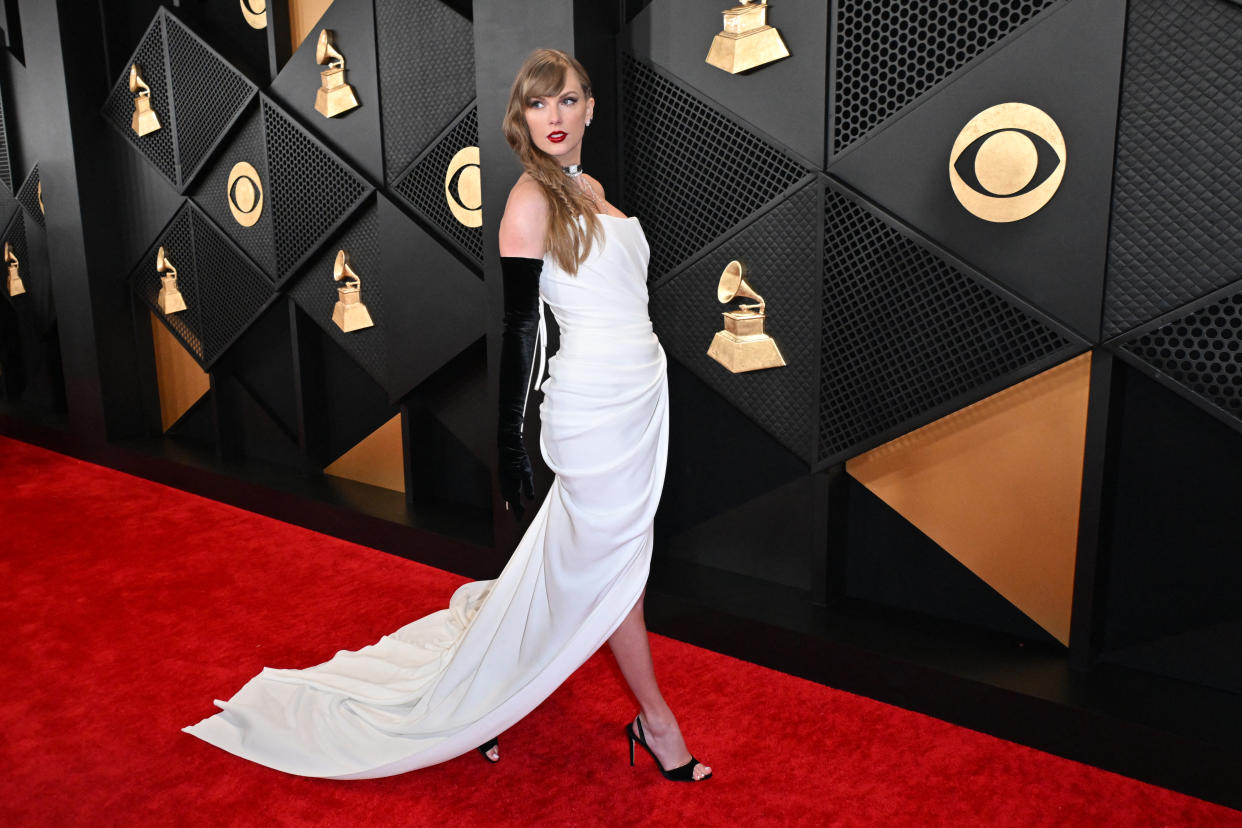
[(447, 682)]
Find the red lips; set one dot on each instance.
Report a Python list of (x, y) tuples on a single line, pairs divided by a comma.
[(557, 137)]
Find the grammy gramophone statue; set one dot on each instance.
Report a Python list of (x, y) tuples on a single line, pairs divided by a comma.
[(747, 40), (16, 286), (334, 96), (144, 120), (742, 345), (349, 314), (170, 299)]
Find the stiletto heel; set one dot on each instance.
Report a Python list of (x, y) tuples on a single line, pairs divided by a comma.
[(683, 773), (488, 745)]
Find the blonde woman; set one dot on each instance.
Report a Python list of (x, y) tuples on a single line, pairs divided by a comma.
[(453, 680)]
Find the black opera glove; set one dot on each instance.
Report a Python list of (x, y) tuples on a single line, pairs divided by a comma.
[(517, 356)]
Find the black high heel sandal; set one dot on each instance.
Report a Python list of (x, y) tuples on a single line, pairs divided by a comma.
[(488, 745), (684, 773)]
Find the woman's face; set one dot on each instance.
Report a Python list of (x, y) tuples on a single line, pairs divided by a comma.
[(557, 122)]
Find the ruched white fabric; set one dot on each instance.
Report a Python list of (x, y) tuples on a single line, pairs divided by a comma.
[(444, 684)]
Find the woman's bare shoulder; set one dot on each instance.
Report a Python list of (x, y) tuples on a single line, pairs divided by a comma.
[(524, 226)]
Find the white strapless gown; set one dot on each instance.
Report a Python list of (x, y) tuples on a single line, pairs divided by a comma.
[(444, 684)]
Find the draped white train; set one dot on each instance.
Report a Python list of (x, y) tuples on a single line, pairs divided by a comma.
[(444, 684)]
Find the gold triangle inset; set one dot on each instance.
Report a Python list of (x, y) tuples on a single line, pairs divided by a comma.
[(997, 486), (181, 382), (376, 460)]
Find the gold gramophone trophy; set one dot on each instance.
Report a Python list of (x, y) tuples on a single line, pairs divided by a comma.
[(170, 299), (747, 40), (16, 286), (742, 345), (145, 120), (349, 314), (334, 95)]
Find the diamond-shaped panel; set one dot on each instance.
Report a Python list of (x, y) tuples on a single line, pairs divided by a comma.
[(691, 172), (156, 146), (1177, 204), (223, 290), (207, 92), (891, 51), (316, 292), (783, 255), (906, 334), (426, 58), (211, 193), (311, 190), (1202, 352), (422, 186)]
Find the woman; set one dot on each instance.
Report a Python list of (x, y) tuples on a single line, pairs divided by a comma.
[(452, 680)]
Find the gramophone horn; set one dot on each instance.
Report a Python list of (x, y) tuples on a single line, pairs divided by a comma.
[(325, 51), (733, 284), (162, 264)]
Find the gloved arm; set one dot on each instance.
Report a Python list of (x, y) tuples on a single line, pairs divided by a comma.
[(517, 355)]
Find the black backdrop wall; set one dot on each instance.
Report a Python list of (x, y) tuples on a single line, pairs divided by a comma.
[(1001, 454)]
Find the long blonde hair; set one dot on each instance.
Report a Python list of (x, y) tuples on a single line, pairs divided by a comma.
[(543, 74)]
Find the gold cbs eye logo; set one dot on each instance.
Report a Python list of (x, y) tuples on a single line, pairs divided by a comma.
[(1007, 162), (245, 194), (463, 187)]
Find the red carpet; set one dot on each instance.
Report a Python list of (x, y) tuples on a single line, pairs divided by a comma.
[(128, 606)]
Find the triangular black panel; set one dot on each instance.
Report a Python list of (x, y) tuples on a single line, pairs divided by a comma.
[(890, 52), (908, 337), (1067, 65), (354, 134), (263, 362), (779, 250), (312, 191), (439, 303), (718, 174), (1198, 353), (177, 239), (355, 404), (6, 167), (422, 186), (891, 562), (197, 423), (426, 69), (261, 436), (456, 393), (211, 192), (29, 197), (157, 147), (1177, 214), (316, 292), (208, 94)]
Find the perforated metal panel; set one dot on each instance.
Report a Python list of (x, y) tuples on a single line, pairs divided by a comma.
[(783, 254), (691, 172), (1177, 204), (907, 337), (118, 110), (211, 193), (426, 63), (223, 290), (208, 94), (1201, 352), (888, 52), (6, 171), (311, 189), (15, 235), (316, 293), (28, 197), (422, 186)]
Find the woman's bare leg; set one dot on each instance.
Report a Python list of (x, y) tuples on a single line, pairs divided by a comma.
[(633, 653)]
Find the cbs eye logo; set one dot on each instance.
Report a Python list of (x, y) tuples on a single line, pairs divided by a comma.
[(463, 187), (1007, 162), (245, 194)]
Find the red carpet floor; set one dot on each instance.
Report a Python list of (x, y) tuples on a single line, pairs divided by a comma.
[(128, 606)]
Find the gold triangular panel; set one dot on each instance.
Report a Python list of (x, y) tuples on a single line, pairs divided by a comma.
[(377, 460), (997, 485), (181, 382)]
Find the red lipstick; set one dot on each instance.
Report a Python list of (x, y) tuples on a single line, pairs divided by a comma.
[(557, 137)]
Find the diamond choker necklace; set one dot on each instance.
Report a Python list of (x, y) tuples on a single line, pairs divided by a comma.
[(573, 170)]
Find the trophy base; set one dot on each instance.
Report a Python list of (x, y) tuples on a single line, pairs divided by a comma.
[(351, 317), (170, 301), (335, 101), (16, 286), (736, 53), (144, 122), (741, 354)]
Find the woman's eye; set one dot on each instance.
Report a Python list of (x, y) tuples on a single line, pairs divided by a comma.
[(569, 101), (535, 104)]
